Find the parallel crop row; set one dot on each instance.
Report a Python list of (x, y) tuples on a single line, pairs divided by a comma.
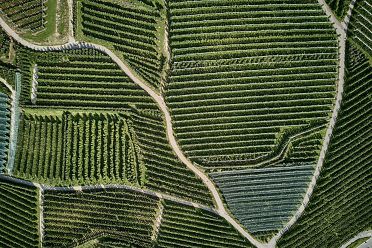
[(340, 7), (4, 44), (29, 14), (340, 207), (242, 71), (185, 226), (263, 200), (75, 218), (360, 26), (4, 128), (70, 79), (18, 218), (79, 148), (85, 79), (164, 172), (130, 30)]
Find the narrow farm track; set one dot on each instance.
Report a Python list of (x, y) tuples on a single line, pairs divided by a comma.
[(43, 187), (361, 235), (220, 208), (13, 125), (341, 29), (41, 212)]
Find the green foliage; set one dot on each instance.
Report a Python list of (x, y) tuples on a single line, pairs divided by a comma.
[(110, 215), (79, 149), (19, 215), (340, 7), (238, 77), (359, 30), (25, 15), (186, 226), (340, 206), (130, 30)]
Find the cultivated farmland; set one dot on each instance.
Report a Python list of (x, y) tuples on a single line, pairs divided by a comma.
[(117, 217), (341, 208), (24, 14), (242, 80), (185, 123), (19, 215)]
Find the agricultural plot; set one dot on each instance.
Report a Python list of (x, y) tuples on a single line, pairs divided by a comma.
[(248, 77), (339, 7), (104, 216), (87, 79), (263, 200), (360, 30), (82, 79), (341, 204), (185, 226), (165, 173), (29, 14), (19, 215), (4, 128), (132, 30), (82, 148)]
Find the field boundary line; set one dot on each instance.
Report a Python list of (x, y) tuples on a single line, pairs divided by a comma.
[(360, 235), (341, 30)]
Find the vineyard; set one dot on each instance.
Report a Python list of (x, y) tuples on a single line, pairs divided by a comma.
[(340, 7), (25, 14), (18, 218), (185, 226), (88, 79), (109, 216), (185, 123), (82, 148), (130, 30), (4, 128), (341, 204), (264, 199), (360, 26), (82, 79), (243, 83)]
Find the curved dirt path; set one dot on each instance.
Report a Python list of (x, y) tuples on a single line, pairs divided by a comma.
[(366, 234), (220, 208), (341, 30)]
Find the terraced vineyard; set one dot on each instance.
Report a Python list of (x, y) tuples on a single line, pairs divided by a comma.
[(4, 128), (184, 226), (242, 79), (73, 218), (360, 26), (340, 7), (82, 148), (185, 123), (23, 14), (130, 30), (19, 216), (341, 208), (84, 79), (102, 86)]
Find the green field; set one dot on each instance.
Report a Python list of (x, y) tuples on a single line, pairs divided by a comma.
[(185, 123)]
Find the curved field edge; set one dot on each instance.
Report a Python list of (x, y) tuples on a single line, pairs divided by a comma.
[(161, 166), (340, 208), (231, 105)]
